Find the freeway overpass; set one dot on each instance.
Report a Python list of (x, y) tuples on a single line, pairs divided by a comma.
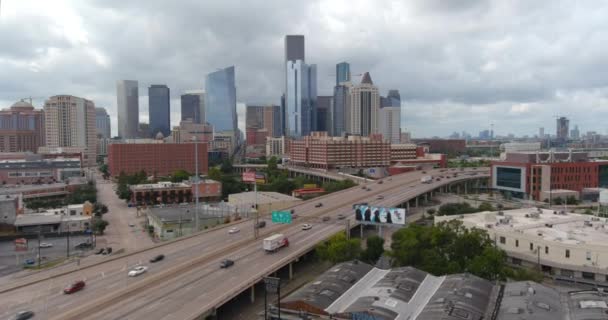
[(189, 283), (310, 173)]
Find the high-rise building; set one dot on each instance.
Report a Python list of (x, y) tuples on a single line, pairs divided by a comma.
[(342, 72), (389, 123), (21, 128), (193, 106), (562, 124), (220, 100), (339, 112), (188, 131), (70, 122), (324, 105), (300, 98), (541, 133), (254, 116), (262, 118), (127, 96), (159, 109), (102, 123), (272, 120), (395, 97), (294, 48), (575, 134), (364, 105)]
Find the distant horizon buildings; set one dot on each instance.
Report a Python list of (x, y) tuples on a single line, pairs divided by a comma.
[(70, 122), (562, 129), (127, 98), (220, 100), (159, 109), (21, 128)]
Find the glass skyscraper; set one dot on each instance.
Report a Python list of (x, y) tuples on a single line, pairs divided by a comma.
[(342, 72), (127, 96), (338, 112), (220, 100), (159, 109), (193, 106), (300, 98)]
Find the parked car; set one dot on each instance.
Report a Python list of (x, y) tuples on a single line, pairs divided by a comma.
[(261, 224), (137, 271), (74, 287), (318, 205), (326, 218), (45, 245), (100, 251), (24, 315), (233, 230), (83, 245), (157, 258), (29, 262), (306, 226), (226, 263), (341, 217)]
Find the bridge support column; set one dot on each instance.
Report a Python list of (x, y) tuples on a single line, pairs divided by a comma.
[(465, 187), (361, 231), (407, 206), (416, 204), (290, 270), (253, 292), (426, 197)]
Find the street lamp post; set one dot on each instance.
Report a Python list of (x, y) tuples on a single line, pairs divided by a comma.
[(68, 238), (196, 218)]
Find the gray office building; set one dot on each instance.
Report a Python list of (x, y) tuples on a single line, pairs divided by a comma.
[(159, 109), (193, 106), (342, 72), (220, 100), (337, 114), (127, 96), (294, 48), (102, 123), (324, 105)]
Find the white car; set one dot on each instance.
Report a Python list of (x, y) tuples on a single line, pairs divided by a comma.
[(306, 226), (233, 230), (137, 271), (46, 245)]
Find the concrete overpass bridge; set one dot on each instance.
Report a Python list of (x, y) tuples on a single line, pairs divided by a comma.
[(189, 284), (309, 173)]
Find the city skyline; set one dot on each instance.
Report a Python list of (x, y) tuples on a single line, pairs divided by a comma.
[(444, 71)]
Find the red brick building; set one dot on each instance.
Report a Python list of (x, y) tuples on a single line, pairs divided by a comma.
[(320, 151), (447, 146), (256, 136), (169, 192), (537, 174), (159, 159)]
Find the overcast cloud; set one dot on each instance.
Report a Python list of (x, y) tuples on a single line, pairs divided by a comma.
[(459, 65)]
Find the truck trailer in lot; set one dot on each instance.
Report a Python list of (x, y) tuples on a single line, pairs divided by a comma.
[(274, 242)]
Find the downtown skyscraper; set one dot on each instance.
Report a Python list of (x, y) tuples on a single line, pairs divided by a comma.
[(220, 100), (159, 109), (337, 114), (193, 106), (127, 96), (102, 123), (362, 116)]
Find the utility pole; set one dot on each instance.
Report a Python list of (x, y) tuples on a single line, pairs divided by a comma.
[(196, 219), (39, 257), (68, 246)]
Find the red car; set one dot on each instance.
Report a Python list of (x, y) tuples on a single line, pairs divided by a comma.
[(76, 286)]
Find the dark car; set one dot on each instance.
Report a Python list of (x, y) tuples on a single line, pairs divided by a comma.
[(157, 258), (318, 205), (100, 251), (261, 224), (326, 218), (30, 261), (341, 217), (108, 251), (380, 182), (74, 287), (226, 263), (83, 245), (24, 315)]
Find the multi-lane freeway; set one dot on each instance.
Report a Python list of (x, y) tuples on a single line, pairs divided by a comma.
[(188, 281)]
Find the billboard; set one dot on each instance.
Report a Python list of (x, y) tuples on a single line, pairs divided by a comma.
[(281, 217), (248, 177), (379, 215)]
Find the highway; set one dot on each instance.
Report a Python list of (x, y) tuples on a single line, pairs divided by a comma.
[(189, 280)]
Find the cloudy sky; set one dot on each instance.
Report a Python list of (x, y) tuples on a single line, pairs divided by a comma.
[(459, 64)]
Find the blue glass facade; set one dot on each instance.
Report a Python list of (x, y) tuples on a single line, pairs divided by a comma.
[(220, 100), (300, 99), (342, 72), (191, 107), (337, 112), (159, 109), (508, 177)]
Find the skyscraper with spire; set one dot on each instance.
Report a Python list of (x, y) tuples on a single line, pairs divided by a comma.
[(362, 115)]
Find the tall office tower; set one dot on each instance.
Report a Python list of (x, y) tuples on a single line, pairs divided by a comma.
[(575, 134), (21, 128), (254, 116), (102, 123), (562, 124), (271, 114), (389, 123), (294, 50), (541, 133), (364, 106), (324, 105), (300, 98), (127, 95), (70, 122), (193, 106), (159, 109), (394, 97), (220, 100), (339, 113), (342, 72)]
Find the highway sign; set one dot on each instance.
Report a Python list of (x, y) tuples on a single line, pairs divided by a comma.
[(281, 217)]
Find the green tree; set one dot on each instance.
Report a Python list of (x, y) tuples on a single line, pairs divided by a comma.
[(571, 200), (558, 201), (226, 167), (491, 264), (215, 174), (339, 249), (99, 225), (375, 249), (180, 175), (486, 206), (100, 209)]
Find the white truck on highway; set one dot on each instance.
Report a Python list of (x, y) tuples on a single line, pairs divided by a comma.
[(274, 242), (426, 179)]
